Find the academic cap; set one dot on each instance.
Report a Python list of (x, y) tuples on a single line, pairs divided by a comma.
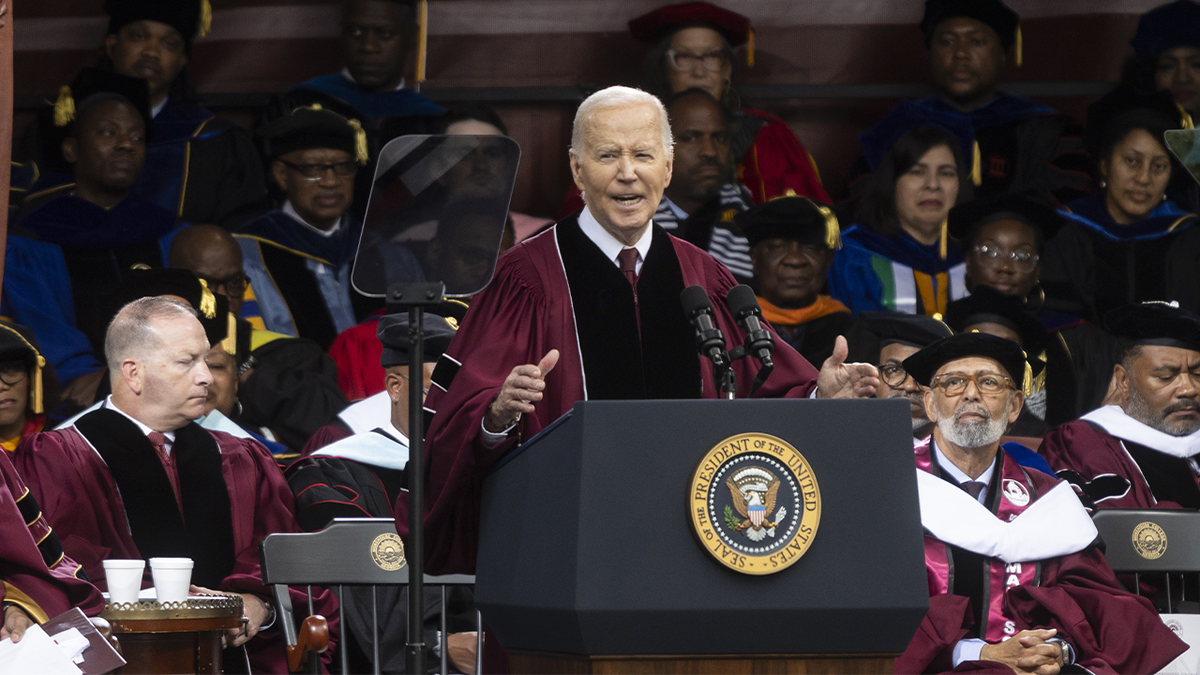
[(924, 364), (914, 330), (988, 305), (993, 13), (311, 126), (734, 27), (1176, 24), (393, 333), (18, 342), (192, 18), (93, 85), (877, 141), (1155, 323), (1125, 101), (798, 218), (212, 309), (966, 219)]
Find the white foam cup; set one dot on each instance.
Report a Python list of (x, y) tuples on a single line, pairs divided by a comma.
[(124, 579), (172, 576)]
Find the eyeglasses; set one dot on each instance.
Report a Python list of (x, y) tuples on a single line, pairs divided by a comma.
[(234, 284), (1022, 260), (893, 375), (426, 389), (712, 61), (315, 172), (13, 373), (990, 384)]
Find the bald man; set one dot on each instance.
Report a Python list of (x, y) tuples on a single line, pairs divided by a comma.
[(212, 254)]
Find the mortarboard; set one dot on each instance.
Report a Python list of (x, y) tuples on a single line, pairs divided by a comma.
[(1175, 24), (393, 333), (914, 330), (1126, 101), (18, 342), (924, 364), (966, 219), (192, 18), (308, 127), (791, 217), (1155, 323), (993, 13), (987, 305), (93, 85), (212, 309), (734, 27)]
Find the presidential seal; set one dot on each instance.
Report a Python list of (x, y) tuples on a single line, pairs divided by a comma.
[(754, 503), (1149, 540), (387, 551)]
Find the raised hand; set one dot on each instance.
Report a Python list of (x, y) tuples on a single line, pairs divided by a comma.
[(521, 389)]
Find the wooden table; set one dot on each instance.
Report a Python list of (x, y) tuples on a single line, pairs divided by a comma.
[(174, 637)]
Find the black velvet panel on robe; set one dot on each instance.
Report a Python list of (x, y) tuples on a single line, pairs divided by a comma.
[(96, 273), (204, 533), (300, 292), (664, 363), (1170, 478)]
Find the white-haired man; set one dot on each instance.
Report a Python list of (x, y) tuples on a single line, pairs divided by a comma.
[(1016, 581), (589, 309), (138, 478)]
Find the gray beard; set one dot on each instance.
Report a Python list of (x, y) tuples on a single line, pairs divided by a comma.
[(1139, 409), (918, 422), (975, 434)]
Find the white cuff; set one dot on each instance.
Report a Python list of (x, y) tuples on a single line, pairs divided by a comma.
[(813, 394), (490, 439), (967, 650), (270, 617)]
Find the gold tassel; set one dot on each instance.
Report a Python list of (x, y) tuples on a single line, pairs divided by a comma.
[(976, 167), (1185, 118), (750, 48), (422, 38), (35, 396), (208, 301), (942, 239), (1018, 47), (205, 19), (833, 232), (1027, 380), (229, 344), (64, 107), (360, 143)]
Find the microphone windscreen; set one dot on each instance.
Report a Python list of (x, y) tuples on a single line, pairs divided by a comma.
[(741, 299), (695, 299)]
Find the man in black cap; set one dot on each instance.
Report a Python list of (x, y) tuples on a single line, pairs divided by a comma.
[(1140, 452), (999, 525), (887, 338), (298, 257), (792, 244), (74, 242)]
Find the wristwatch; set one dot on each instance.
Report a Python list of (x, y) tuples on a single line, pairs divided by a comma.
[(1068, 652)]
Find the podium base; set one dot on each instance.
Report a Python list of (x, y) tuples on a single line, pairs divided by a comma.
[(535, 663)]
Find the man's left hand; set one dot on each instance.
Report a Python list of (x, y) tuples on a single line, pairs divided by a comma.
[(16, 621), (839, 379), (254, 613)]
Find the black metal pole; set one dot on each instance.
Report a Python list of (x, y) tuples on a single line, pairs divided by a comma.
[(415, 653)]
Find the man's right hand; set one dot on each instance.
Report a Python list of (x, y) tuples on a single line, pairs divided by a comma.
[(1027, 652), (521, 389)]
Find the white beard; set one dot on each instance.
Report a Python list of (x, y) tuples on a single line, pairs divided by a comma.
[(975, 434)]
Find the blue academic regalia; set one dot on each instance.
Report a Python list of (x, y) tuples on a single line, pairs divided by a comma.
[(399, 103), (875, 273)]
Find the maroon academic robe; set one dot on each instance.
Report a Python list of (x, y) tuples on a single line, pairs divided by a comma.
[(34, 572), (1101, 458), (557, 290), (1076, 593), (231, 503)]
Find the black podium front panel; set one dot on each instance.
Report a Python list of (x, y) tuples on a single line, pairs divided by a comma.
[(586, 545)]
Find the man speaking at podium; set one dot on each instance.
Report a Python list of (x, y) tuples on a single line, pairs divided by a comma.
[(589, 309)]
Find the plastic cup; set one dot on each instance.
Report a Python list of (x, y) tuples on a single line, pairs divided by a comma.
[(172, 577), (124, 579)]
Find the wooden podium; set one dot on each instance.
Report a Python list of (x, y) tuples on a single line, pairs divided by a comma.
[(588, 562)]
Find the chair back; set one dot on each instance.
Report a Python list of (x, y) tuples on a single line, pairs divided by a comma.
[(1150, 540)]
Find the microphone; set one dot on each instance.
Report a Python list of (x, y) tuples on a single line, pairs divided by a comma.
[(743, 305), (699, 311)]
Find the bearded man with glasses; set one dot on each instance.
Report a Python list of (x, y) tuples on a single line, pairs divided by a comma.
[(1010, 552), (304, 250)]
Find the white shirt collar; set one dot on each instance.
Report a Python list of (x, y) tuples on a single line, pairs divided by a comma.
[(610, 245), (680, 214), (961, 477), (346, 74), (291, 213), (158, 108), (1117, 422), (146, 431)]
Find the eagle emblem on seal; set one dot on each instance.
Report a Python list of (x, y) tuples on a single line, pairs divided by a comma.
[(754, 491)]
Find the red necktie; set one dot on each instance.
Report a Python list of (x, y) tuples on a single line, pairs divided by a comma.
[(159, 441), (627, 259)]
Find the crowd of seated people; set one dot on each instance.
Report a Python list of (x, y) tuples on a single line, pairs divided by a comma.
[(181, 311)]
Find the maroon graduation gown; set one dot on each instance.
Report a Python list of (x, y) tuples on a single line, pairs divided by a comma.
[(32, 564), (556, 290), (1078, 594), (79, 493)]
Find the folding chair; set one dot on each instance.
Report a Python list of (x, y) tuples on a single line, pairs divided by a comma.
[(1150, 540), (348, 552)]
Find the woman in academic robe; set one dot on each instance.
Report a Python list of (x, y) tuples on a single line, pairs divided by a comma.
[(1131, 241), (1166, 53), (27, 385), (898, 256)]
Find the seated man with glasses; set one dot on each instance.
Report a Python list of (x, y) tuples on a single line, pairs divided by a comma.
[(887, 338), (299, 257), (1016, 579)]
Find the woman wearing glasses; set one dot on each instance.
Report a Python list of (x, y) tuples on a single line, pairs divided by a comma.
[(27, 385)]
